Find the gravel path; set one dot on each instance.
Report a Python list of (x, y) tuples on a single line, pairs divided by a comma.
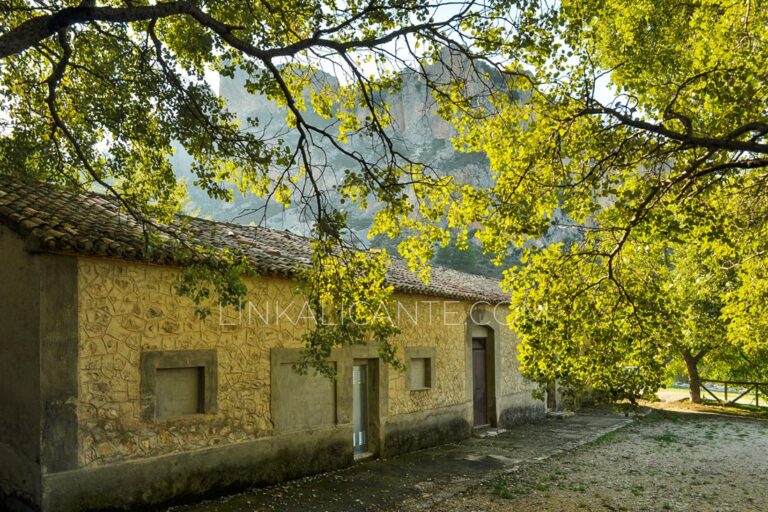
[(680, 457)]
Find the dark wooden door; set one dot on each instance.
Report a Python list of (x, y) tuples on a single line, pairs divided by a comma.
[(479, 391)]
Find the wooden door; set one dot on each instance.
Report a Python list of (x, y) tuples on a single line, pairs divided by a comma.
[(479, 380)]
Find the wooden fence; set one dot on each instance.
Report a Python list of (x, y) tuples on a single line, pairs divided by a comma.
[(738, 388)]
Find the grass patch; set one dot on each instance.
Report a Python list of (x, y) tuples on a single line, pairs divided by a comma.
[(608, 438), (659, 416), (653, 417), (506, 491), (509, 490)]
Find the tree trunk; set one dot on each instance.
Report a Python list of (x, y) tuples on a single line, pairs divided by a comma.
[(694, 381)]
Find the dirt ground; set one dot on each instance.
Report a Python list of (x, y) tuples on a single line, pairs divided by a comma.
[(681, 457), (419, 479)]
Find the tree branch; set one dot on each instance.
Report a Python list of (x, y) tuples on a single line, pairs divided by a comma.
[(39, 28), (727, 143)]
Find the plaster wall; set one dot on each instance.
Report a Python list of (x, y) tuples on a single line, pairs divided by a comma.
[(515, 402), (19, 370)]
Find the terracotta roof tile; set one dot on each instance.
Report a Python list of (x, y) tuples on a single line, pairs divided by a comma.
[(64, 221)]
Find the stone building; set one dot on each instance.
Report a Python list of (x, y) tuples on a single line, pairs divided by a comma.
[(114, 394)]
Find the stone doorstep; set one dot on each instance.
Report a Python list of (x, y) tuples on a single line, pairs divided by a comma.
[(559, 415), (360, 457), (483, 432)]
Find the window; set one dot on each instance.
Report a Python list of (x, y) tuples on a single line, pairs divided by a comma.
[(421, 368), (179, 391), (420, 374), (177, 383)]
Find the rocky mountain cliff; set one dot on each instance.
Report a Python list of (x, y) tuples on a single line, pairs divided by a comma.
[(417, 131)]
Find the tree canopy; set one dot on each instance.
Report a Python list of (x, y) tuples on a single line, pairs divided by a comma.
[(96, 93), (647, 128), (641, 129)]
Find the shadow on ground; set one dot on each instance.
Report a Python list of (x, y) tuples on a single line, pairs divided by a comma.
[(424, 477)]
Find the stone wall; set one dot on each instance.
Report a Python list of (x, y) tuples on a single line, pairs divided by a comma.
[(430, 322), (126, 308)]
